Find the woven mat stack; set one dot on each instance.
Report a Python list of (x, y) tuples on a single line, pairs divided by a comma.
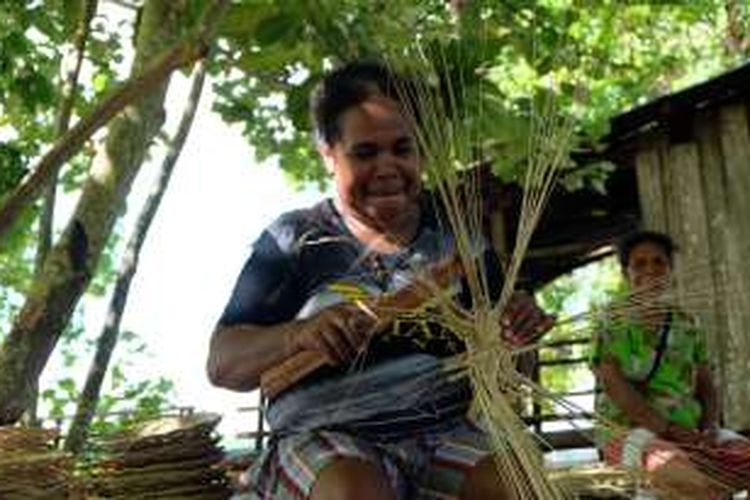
[(169, 458), (30, 467)]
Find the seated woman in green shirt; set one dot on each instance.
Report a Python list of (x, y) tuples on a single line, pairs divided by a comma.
[(652, 365)]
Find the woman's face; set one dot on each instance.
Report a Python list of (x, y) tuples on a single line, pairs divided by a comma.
[(648, 268), (375, 163)]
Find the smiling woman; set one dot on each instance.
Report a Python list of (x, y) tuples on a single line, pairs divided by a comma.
[(657, 384), (377, 171), (382, 419)]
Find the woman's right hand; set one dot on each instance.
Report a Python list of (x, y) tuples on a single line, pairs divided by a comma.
[(340, 332)]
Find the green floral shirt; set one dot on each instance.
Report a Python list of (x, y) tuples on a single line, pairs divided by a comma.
[(671, 390)]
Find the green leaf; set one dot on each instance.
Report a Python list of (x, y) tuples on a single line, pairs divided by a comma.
[(101, 82), (12, 168), (241, 20), (298, 103), (276, 28)]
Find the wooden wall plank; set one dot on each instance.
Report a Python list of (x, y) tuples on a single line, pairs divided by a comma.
[(735, 147), (650, 186), (671, 174), (693, 272), (714, 184)]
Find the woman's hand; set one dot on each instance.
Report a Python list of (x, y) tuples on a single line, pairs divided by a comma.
[(340, 332), (683, 435), (523, 321)]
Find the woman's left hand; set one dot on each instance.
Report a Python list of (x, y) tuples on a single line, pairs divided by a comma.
[(683, 435), (710, 435), (523, 321)]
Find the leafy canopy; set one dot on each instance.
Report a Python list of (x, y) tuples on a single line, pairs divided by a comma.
[(597, 58)]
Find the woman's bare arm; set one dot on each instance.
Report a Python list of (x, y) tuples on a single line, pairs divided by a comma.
[(628, 399), (705, 391), (239, 354)]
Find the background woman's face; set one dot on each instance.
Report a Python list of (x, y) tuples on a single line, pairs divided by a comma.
[(375, 163), (648, 267)]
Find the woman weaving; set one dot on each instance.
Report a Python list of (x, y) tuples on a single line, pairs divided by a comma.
[(381, 421), (652, 364)]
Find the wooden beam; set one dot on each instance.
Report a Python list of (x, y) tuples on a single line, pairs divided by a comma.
[(557, 344), (558, 417), (564, 361), (717, 90), (565, 440)]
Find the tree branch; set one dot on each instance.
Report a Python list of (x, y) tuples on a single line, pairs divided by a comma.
[(70, 143), (68, 269), (62, 125)]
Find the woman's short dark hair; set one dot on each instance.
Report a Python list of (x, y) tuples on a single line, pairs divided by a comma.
[(629, 242), (350, 85)]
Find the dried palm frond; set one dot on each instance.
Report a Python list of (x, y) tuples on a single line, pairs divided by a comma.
[(30, 467), (449, 147), (170, 457)]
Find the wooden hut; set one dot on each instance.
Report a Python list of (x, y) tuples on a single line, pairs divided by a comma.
[(683, 167), (691, 154)]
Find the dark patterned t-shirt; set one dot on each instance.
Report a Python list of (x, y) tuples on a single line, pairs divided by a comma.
[(308, 260)]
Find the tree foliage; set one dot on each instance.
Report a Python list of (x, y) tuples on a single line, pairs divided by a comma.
[(36, 38), (128, 398), (32, 42), (602, 57)]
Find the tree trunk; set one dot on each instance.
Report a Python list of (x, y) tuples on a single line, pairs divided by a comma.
[(72, 261), (64, 112), (107, 341)]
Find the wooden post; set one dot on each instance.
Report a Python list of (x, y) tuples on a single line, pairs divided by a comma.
[(260, 428)]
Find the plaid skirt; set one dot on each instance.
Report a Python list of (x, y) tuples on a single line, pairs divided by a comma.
[(429, 465)]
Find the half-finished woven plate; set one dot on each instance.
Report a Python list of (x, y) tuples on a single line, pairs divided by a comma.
[(164, 430)]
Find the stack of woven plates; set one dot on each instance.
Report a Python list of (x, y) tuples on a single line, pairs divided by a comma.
[(169, 458), (30, 467)]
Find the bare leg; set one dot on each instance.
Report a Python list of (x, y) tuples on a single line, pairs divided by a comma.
[(729, 461), (673, 473), (484, 482), (352, 479)]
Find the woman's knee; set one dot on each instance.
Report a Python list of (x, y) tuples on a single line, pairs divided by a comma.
[(352, 479), (679, 477), (485, 481)]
